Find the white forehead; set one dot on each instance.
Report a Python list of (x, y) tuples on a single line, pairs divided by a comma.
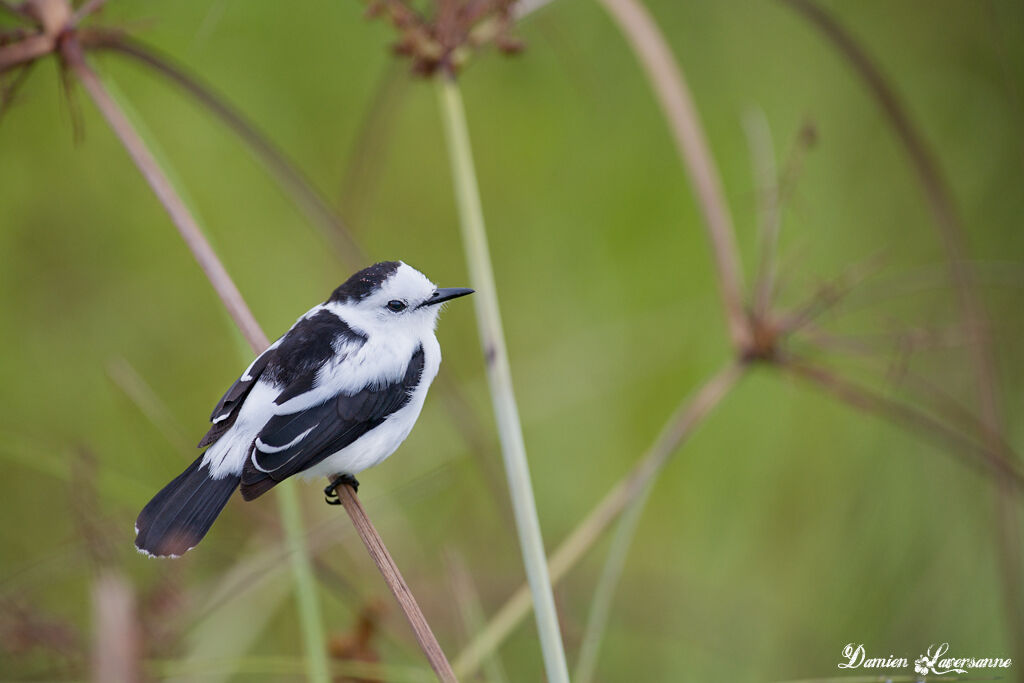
[(407, 284)]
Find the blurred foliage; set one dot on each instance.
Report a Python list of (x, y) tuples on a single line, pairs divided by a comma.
[(787, 527)]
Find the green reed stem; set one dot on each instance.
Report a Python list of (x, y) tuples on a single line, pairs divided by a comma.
[(310, 618), (499, 377)]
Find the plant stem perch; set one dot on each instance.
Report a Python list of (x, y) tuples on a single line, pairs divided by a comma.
[(309, 609), (399, 588)]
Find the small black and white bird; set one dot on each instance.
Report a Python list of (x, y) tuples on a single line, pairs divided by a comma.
[(338, 393)]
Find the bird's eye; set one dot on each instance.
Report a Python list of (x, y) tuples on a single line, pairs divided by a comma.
[(395, 305)]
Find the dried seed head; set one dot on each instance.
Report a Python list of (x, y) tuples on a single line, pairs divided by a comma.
[(444, 39)]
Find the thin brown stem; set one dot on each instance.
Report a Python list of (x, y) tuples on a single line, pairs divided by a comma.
[(669, 85), (910, 340), (117, 633), (372, 142), (88, 9), (678, 428), (973, 452), (291, 179), (976, 320), (766, 182), (952, 411), (9, 91), (774, 187), (827, 296), (399, 588), (25, 50), (936, 190), (165, 192), (943, 405)]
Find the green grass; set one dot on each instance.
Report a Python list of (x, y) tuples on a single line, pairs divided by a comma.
[(790, 526)]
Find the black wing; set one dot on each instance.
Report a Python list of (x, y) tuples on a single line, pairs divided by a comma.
[(296, 441), (291, 362), (226, 412)]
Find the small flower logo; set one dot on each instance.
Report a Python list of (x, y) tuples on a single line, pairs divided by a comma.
[(926, 662)]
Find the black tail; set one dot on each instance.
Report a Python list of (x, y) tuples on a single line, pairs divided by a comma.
[(180, 515)]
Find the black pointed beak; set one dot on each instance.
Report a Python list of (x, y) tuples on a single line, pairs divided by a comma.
[(446, 294)]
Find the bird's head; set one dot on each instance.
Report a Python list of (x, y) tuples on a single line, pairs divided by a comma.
[(392, 295)]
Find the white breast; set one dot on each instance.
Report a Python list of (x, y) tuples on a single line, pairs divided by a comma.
[(376, 445)]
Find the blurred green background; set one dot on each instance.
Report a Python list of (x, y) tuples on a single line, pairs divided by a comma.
[(787, 527)]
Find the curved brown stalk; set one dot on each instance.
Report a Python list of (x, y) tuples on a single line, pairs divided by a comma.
[(9, 92), (669, 85), (372, 142), (943, 405), (944, 212), (25, 50), (766, 182), (274, 160), (399, 588), (164, 190), (979, 452), (88, 9)]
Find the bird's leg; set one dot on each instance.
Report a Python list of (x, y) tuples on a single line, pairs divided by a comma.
[(331, 492)]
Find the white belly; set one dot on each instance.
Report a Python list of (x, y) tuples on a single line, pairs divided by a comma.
[(371, 448)]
